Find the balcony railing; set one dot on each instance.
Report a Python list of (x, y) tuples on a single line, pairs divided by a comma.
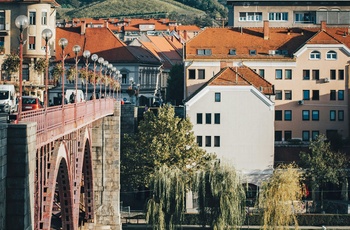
[(57, 121)]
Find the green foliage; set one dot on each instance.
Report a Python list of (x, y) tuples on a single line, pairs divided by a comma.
[(221, 196), (175, 87), (166, 207), (277, 196), (322, 165), (40, 65), (57, 71), (11, 64), (71, 73), (161, 140)]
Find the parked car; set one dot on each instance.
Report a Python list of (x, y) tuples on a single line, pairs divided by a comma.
[(31, 103)]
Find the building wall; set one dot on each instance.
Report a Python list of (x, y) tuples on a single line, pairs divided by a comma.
[(246, 128), (3, 174)]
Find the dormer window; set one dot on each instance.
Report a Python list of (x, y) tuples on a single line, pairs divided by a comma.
[(252, 52), (232, 52), (203, 51), (331, 55), (315, 55)]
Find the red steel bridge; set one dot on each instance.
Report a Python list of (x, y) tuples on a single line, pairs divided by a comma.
[(65, 150)]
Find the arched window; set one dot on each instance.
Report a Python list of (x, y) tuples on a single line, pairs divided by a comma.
[(315, 55), (331, 55)]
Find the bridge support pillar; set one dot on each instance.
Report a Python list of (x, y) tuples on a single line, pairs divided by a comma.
[(106, 168), (21, 153)]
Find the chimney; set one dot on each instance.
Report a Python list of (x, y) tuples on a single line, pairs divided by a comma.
[(106, 24), (185, 35), (323, 25), (82, 27), (266, 30)]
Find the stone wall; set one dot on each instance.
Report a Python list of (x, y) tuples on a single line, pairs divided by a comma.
[(3, 174)]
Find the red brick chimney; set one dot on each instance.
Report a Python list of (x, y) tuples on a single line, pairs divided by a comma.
[(266, 30), (323, 25), (82, 27)]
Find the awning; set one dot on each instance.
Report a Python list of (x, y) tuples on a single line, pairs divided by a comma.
[(148, 95)]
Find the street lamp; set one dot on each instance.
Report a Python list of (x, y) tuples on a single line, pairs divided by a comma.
[(63, 42), (100, 61), (21, 23), (110, 66), (86, 55), (46, 35), (105, 64), (76, 50), (114, 71), (94, 58)]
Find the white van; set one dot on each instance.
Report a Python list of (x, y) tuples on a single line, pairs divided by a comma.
[(8, 102), (80, 96)]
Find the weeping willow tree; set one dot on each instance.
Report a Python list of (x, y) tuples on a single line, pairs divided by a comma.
[(166, 207), (278, 195), (221, 197)]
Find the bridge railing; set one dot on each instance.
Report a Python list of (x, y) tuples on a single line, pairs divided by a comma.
[(57, 121)]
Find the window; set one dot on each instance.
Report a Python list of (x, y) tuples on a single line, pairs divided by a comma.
[(288, 74), (250, 16), (2, 41), (315, 55), (315, 74), (2, 20), (306, 74), (217, 97), (278, 73), (199, 118), (217, 118), (315, 134), (315, 95), (278, 95), (262, 73), (278, 115), (340, 115), (201, 74), (44, 18), (332, 95), (306, 135), (199, 141), (280, 16), (288, 115), (207, 141), (306, 95), (25, 72), (31, 44), (305, 17), (203, 51), (315, 115), (287, 95), (208, 118), (341, 74), (232, 52), (287, 135), (340, 95), (278, 135), (191, 74), (332, 115), (332, 74), (252, 52), (124, 77), (306, 115), (216, 141), (331, 55), (32, 18)]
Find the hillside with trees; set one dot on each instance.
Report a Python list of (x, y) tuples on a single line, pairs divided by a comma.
[(198, 12)]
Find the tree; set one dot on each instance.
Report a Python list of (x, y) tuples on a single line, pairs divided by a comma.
[(161, 140), (278, 195), (322, 165), (11, 64), (175, 88), (221, 196)]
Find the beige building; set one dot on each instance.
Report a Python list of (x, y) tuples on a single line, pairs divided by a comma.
[(288, 13), (308, 67), (41, 15)]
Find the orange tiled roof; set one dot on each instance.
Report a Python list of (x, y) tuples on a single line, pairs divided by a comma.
[(100, 41), (242, 75)]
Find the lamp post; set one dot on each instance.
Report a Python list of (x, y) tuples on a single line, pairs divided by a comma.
[(86, 55), (46, 35), (110, 68), (114, 71), (21, 23), (100, 61), (94, 58), (105, 64), (63, 42), (76, 50)]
